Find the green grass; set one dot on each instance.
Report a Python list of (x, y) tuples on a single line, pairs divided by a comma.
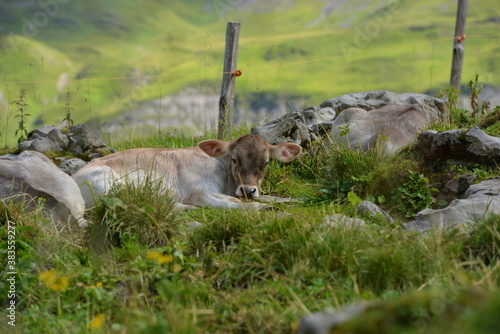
[(255, 272)]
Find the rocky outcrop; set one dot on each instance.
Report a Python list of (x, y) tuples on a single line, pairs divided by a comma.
[(77, 139), (459, 146), (305, 126), (479, 201), (71, 166), (373, 210), (434, 108), (31, 175)]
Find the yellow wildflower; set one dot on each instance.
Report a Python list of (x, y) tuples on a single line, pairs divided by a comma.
[(177, 268), (154, 255), (97, 322), (165, 259), (160, 257), (98, 285), (53, 281)]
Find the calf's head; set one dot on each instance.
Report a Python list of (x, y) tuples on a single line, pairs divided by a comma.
[(248, 157)]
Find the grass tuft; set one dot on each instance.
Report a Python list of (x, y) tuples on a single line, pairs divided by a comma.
[(143, 211)]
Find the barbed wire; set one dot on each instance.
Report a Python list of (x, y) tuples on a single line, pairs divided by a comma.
[(250, 69)]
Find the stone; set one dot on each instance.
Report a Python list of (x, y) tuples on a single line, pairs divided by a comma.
[(82, 139), (459, 146), (31, 175), (314, 115), (39, 144), (71, 166), (459, 185), (479, 201), (45, 139), (370, 208), (76, 139), (324, 322), (434, 108), (291, 127), (340, 220), (307, 125)]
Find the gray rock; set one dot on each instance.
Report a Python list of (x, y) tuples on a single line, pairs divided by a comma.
[(479, 202), (31, 175), (373, 210), (324, 323), (39, 144), (314, 115), (76, 139), (305, 126), (461, 146), (434, 108), (459, 185), (340, 220), (82, 139), (43, 131), (71, 166), (454, 188), (291, 127), (45, 139)]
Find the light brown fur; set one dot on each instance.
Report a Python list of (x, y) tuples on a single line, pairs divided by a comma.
[(213, 174)]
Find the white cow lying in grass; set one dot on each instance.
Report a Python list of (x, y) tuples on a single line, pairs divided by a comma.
[(388, 128), (215, 174), (31, 175)]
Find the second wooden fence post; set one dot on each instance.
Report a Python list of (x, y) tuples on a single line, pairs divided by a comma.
[(226, 101)]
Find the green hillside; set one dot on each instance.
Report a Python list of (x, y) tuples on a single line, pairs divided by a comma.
[(112, 54)]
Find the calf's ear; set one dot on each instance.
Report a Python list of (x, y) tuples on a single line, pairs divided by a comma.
[(285, 151), (215, 148)]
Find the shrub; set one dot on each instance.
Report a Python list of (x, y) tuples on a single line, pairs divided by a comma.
[(413, 195)]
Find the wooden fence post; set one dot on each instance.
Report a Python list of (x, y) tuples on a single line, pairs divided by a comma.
[(226, 101), (458, 45)]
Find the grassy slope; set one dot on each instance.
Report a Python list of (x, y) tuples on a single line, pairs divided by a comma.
[(182, 45)]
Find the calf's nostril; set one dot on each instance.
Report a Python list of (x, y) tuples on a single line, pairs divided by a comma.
[(249, 191)]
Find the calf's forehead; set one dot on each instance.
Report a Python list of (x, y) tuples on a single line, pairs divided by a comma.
[(251, 147)]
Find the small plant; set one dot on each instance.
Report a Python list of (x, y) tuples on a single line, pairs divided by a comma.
[(414, 195), (450, 95), (68, 109), (22, 115), (475, 89)]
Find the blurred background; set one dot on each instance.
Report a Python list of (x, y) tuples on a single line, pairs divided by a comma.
[(130, 66)]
